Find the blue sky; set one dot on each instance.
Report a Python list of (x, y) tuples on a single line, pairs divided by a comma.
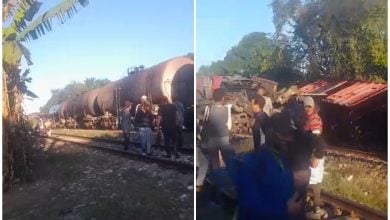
[(220, 25), (106, 38)]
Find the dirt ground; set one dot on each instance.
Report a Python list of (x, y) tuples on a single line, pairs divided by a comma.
[(70, 182)]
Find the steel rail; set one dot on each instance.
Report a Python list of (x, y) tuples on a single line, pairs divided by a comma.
[(183, 167), (354, 208), (365, 155), (186, 151)]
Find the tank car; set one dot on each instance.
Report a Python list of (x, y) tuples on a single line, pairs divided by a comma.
[(173, 78)]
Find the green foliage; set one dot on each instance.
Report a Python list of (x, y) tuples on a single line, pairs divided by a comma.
[(338, 39), (62, 11), (72, 91), (255, 55)]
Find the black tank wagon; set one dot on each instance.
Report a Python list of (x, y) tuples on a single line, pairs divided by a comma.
[(173, 78)]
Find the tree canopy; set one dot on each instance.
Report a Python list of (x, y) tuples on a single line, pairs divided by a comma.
[(72, 91), (344, 40), (337, 39), (257, 54), (250, 56)]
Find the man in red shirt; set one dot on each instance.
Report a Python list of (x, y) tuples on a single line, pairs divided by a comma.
[(314, 122)]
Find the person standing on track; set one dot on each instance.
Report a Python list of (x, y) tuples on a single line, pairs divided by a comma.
[(179, 122), (216, 126), (126, 123), (167, 120), (144, 120), (317, 174)]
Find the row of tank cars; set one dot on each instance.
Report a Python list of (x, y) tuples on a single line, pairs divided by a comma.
[(99, 108)]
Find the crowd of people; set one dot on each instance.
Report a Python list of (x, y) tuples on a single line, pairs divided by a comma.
[(271, 182), (169, 120)]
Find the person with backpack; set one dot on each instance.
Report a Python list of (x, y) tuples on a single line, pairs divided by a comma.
[(167, 121)]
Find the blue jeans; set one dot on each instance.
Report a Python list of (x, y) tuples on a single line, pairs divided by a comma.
[(146, 136)]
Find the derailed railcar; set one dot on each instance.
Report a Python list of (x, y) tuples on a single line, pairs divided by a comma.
[(357, 114), (239, 92)]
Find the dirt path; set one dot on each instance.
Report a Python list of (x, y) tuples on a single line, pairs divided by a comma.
[(78, 183)]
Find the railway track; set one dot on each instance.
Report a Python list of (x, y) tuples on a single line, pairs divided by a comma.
[(337, 207), (351, 208), (186, 151), (376, 157), (114, 148), (357, 154)]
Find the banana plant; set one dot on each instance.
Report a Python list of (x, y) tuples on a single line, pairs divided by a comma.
[(21, 25)]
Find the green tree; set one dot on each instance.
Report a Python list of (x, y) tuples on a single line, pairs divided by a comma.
[(256, 54), (20, 26), (72, 91), (338, 39), (92, 83)]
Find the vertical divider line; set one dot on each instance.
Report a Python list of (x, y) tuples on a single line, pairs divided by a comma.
[(194, 110)]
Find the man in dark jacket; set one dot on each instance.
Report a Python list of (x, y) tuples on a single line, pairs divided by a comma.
[(260, 118), (167, 121), (265, 182)]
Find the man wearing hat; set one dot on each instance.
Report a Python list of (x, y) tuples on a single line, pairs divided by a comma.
[(313, 122)]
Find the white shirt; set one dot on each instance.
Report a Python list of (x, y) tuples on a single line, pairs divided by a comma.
[(229, 122), (317, 173), (268, 106)]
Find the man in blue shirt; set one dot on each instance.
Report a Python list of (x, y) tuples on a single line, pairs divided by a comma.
[(265, 180)]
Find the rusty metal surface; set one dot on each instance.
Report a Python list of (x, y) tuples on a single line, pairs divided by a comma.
[(106, 97), (321, 87), (239, 91), (89, 102), (159, 80), (203, 87), (356, 93), (62, 109)]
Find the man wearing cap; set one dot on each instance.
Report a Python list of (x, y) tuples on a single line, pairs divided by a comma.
[(313, 122)]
